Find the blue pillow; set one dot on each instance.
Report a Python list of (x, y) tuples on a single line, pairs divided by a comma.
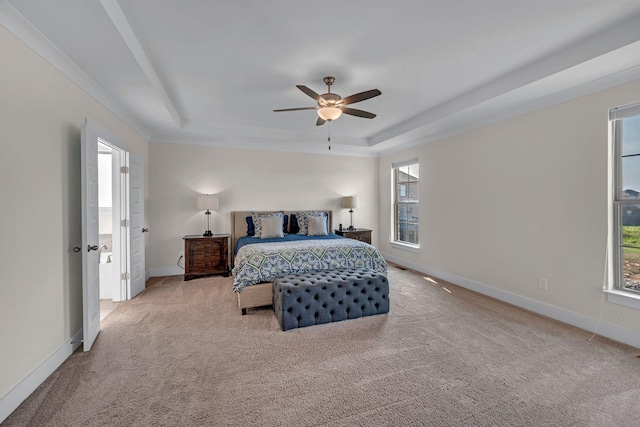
[(251, 229), (294, 225), (285, 224)]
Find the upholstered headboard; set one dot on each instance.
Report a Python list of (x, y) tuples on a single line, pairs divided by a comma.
[(239, 225)]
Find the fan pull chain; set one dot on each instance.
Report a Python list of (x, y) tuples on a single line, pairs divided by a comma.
[(329, 138)]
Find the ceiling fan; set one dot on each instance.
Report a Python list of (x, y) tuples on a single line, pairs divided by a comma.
[(331, 105)]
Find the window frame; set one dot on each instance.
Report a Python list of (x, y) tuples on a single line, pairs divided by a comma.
[(617, 293), (395, 220)]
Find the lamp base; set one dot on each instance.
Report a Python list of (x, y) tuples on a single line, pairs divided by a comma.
[(208, 233), (351, 227)]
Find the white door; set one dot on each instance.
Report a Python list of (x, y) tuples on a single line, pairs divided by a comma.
[(137, 230), (90, 231)]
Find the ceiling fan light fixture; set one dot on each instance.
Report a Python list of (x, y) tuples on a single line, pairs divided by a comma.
[(329, 113)]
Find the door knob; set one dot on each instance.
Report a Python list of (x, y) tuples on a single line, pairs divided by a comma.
[(145, 230), (92, 248), (77, 249)]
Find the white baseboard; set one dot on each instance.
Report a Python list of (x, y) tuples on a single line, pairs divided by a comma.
[(166, 271), (10, 401), (614, 332)]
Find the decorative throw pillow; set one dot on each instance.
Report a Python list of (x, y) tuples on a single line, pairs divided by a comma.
[(316, 226), (271, 227), (257, 217), (303, 220)]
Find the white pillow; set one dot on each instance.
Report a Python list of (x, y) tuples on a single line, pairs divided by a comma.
[(271, 227), (317, 226), (302, 219), (257, 216)]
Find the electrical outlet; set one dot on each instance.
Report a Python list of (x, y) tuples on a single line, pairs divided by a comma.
[(543, 284)]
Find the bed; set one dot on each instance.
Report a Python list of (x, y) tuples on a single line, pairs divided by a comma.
[(256, 262)]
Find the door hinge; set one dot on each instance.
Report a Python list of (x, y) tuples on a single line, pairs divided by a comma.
[(124, 223), (124, 169), (124, 276)]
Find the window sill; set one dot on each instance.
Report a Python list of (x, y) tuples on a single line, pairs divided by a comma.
[(626, 299), (405, 246)]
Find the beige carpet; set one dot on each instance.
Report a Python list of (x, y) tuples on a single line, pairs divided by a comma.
[(181, 354)]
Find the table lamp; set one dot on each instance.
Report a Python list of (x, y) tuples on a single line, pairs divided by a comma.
[(207, 201)]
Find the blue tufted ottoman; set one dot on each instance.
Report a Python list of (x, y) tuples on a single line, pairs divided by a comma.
[(307, 299)]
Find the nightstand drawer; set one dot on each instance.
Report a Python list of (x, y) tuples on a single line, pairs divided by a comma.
[(203, 245), (204, 259), (361, 234)]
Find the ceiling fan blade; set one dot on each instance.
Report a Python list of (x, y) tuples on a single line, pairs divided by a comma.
[(360, 97), (295, 109), (357, 113), (320, 121), (311, 93)]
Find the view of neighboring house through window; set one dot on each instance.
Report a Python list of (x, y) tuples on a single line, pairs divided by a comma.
[(626, 197), (406, 201)]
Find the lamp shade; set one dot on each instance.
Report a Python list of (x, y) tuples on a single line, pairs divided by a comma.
[(207, 201), (329, 113), (351, 202)]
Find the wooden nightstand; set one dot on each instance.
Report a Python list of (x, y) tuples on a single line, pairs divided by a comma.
[(204, 256), (362, 234)]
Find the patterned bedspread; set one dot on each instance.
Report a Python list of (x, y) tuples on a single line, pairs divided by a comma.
[(263, 262)]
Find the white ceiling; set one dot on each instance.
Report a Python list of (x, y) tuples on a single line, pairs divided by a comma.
[(211, 72)]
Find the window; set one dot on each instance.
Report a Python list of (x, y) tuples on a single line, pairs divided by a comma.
[(625, 123), (406, 201)]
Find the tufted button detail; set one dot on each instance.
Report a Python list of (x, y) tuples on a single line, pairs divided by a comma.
[(364, 289)]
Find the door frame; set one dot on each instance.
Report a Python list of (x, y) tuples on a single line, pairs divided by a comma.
[(119, 211), (120, 186)]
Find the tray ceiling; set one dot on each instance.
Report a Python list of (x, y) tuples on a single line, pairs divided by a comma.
[(212, 72)]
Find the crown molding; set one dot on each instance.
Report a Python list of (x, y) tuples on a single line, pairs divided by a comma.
[(20, 27)]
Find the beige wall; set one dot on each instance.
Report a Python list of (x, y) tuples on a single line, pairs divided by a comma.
[(521, 199), (41, 113), (247, 180)]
